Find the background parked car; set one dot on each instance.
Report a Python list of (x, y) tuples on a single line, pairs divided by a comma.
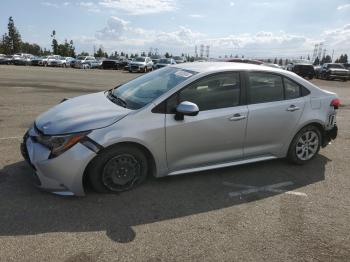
[(180, 59), (331, 71), (110, 64), (86, 62), (165, 62), (243, 60), (22, 59), (6, 59), (43, 61), (53, 60), (141, 64), (36, 61), (272, 65), (302, 69)]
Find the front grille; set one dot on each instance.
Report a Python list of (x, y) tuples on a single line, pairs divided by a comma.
[(134, 67), (340, 73)]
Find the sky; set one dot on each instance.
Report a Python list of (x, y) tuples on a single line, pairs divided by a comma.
[(253, 28)]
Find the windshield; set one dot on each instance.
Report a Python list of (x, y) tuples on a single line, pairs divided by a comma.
[(139, 92), (81, 57), (335, 66), (139, 59), (51, 57), (164, 61)]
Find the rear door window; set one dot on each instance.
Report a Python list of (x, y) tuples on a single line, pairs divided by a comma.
[(264, 87), (292, 89)]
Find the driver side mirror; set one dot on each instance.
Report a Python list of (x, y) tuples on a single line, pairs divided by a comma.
[(186, 109)]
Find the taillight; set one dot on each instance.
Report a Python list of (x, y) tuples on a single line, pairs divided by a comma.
[(335, 103)]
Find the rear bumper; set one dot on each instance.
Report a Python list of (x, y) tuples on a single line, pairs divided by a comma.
[(329, 135), (61, 175)]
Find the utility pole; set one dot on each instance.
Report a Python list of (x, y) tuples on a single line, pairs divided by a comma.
[(332, 54)]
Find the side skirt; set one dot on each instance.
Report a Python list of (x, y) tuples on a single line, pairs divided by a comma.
[(228, 164)]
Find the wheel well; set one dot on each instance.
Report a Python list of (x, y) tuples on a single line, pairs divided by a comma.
[(315, 124), (150, 159)]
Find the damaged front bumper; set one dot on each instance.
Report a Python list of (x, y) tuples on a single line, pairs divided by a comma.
[(61, 175)]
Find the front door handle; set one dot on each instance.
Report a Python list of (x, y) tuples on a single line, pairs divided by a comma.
[(293, 108), (237, 117)]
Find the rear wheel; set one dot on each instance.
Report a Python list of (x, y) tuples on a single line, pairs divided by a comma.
[(118, 169), (305, 145)]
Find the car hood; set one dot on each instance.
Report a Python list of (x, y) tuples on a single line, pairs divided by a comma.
[(138, 63), (80, 114)]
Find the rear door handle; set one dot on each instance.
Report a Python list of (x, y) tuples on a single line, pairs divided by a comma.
[(293, 108), (236, 117)]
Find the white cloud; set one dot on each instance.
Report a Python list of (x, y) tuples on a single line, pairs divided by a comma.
[(338, 38), (114, 30), (232, 4), (122, 35), (196, 16), (140, 7), (86, 4), (343, 7), (90, 7), (56, 5), (49, 4)]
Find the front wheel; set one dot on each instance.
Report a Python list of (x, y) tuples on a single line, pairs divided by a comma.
[(305, 145), (118, 169)]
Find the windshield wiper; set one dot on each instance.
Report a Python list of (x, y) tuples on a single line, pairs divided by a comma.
[(116, 99)]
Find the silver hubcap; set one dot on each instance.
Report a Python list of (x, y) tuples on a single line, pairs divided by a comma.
[(307, 145)]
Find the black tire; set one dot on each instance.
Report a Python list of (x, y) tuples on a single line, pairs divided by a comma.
[(133, 172), (292, 152)]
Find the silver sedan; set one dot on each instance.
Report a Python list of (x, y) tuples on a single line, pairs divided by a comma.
[(179, 119)]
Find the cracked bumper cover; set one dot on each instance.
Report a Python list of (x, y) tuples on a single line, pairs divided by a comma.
[(61, 175)]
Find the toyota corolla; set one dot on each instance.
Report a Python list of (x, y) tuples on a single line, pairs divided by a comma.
[(176, 120)]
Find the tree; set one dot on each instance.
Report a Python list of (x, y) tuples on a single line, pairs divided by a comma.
[(280, 62), (71, 49), (6, 46), (33, 49), (326, 59), (317, 61), (54, 44), (143, 54), (342, 59), (83, 53), (99, 53), (275, 61), (167, 55), (14, 37), (308, 57)]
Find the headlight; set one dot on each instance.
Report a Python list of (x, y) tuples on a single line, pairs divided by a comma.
[(60, 144)]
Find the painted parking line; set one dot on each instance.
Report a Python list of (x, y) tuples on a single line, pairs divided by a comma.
[(274, 188), (11, 137)]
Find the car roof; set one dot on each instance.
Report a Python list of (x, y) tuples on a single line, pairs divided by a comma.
[(202, 67)]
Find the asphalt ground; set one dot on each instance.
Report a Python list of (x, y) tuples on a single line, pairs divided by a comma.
[(268, 211)]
